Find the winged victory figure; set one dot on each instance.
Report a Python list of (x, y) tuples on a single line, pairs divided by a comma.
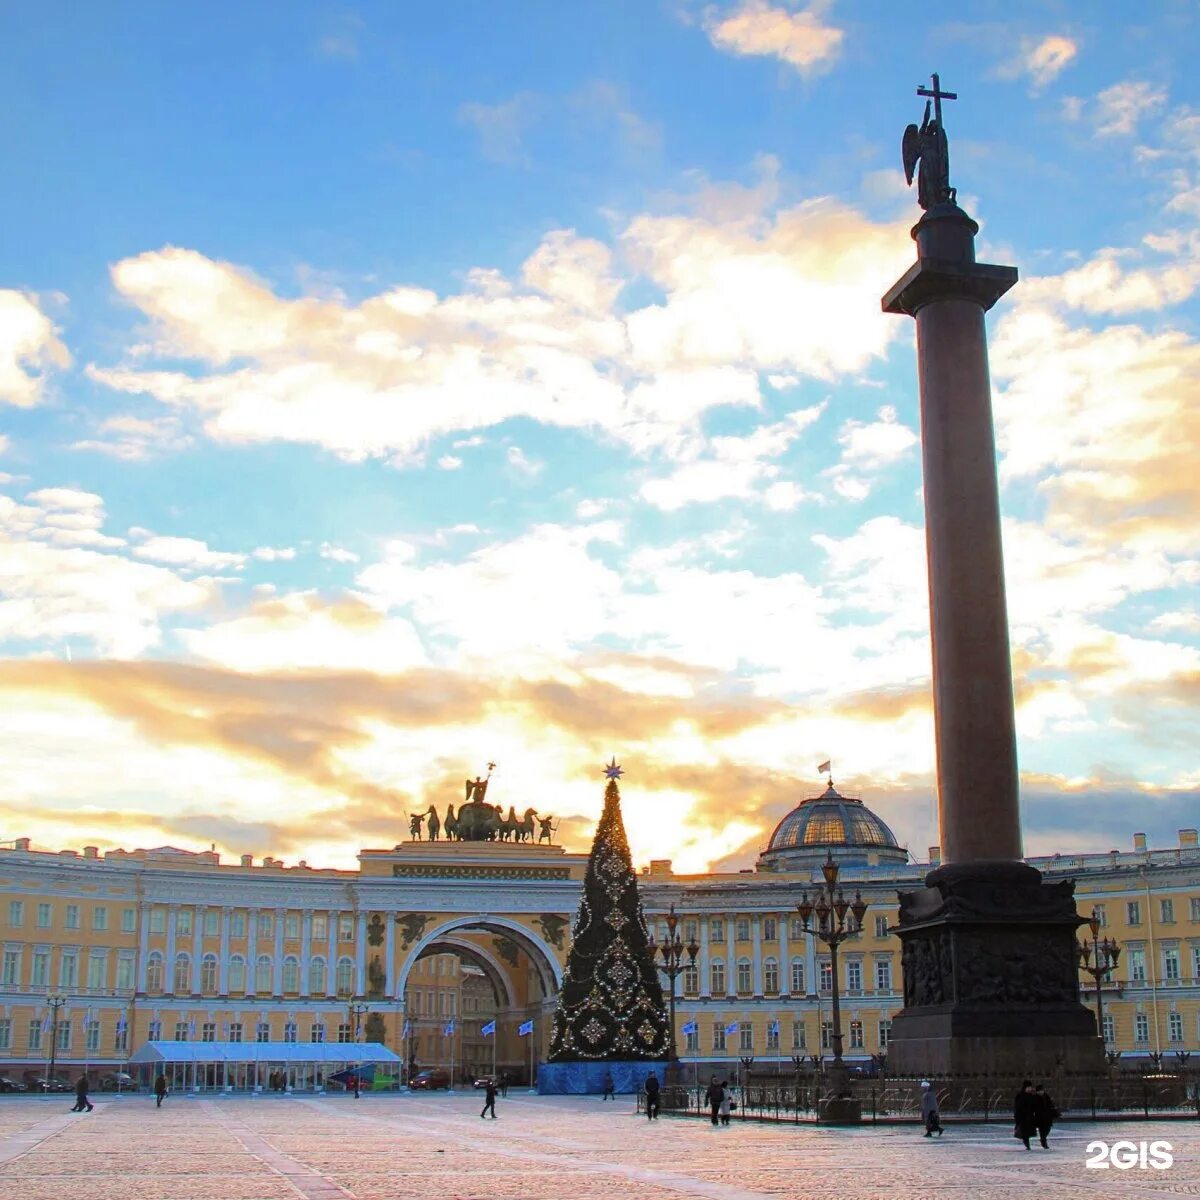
[(928, 146)]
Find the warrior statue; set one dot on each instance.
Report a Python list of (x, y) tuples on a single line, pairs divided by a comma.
[(928, 146)]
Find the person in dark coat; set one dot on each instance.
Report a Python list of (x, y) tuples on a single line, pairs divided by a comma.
[(1025, 1113), (929, 1110), (81, 1096), (503, 1083), (652, 1097), (609, 1094), (1045, 1114), (713, 1098), (489, 1099), (160, 1090)]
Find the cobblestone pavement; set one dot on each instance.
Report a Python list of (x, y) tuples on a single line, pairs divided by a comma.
[(540, 1148)]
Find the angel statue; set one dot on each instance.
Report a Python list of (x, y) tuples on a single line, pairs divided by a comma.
[(928, 145)]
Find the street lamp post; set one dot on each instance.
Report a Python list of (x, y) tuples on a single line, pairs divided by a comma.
[(1098, 959), (673, 965), (356, 1012), (55, 1000), (836, 920)]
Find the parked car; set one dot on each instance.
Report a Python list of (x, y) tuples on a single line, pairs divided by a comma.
[(118, 1081), (428, 1081), (483, 1081), (50, 1085), (9, 1085)]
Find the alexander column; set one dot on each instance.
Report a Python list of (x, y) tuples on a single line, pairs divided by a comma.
[(990, 979)]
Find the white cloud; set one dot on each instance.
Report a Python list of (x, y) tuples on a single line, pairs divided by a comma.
[(449, 462), (1119, 109), (274, 553), (337, 553), (1041, 60), (29, 349), (501, 127), (516, 458), (755, 27), (186, 552)]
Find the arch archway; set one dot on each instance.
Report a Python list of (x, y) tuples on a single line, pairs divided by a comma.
[(496, 972)]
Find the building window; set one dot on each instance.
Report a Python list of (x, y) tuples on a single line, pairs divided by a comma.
[(798, 976), (771, 975), (798, 1039), (1170, 963), (16, 913), (237, 923), (692, 1039), (158, 920), (1133, 913), (183, 922), (744, 982), (1175, 1026), (746, 1036), (291, 974), (742, 933), (72, 917), (316, 1033), (854, 975), (291, 926), (5, 1033), (717, 977), (345, 1033), (237, 974), (100, 918), (345, 929), (208, 1031), (718, 1035), (691, 931), (289, 1032), (155, 1031), (856, 1035), (1195, 964), (40, 976), (826, 975), (691, 980), (1141, 1028), (796, 929), (97, 976), (208, 974), (1166, 912), (881, 927), (1194, 908), (235, 1031), (262, 1031), (11, 975), (320, 926), (826, 1035), (345, 977), (154, 972), (129, 920), (883, 974), (183, 974), (64, 1035), (44, 918), (212, 922), (91, 1035), (35, 1034), (125, 973), (885, 1033), (262, 974), (773, 1035), (1137, 965), (716, 931), (769, 930), (266, 925), (68, 969), (316, 976)]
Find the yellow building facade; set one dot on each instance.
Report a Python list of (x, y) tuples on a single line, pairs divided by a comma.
[(431, 940)]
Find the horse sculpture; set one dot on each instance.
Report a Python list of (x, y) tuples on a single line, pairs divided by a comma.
[(450, 825), (524, 829), (435, 826)]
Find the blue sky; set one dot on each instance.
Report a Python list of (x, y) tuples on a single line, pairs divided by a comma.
[(385, 390)]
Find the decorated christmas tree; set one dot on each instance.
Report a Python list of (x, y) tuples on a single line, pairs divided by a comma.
[(610, 1006)]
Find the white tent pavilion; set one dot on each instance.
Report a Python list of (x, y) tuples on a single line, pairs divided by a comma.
[(246, 1064)]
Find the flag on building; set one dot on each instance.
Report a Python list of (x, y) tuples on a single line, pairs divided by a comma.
[(732, 1027), (525, 1030), (407, 1029), (448, 1029), (46, 1023), (121, 1026), (825, 766), (487, 1029), (690, 1027), (191, 1029), (774, 1028)]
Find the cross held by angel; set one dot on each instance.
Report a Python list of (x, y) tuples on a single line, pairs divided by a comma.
[(928, 147)]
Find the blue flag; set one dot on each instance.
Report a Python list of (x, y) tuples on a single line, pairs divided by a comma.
[(448, 1029), (690, 1027), (774, 1027), (490, 1027), (407, 1029), (732, 1027), (523, 1030)]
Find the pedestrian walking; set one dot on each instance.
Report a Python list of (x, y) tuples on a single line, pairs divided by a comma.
[(160, 1090), (503, 1083), (1044, 1114), (489, 1100), (81, 1095), (713, 1098), (652, 1097), (609, 1094), (1025, 1114), (929, 1110), (726, 1106)]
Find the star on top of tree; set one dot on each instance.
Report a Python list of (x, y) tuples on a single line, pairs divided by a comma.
[(612, 771)]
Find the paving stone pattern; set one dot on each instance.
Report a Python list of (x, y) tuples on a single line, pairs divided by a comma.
[(540, 1148)]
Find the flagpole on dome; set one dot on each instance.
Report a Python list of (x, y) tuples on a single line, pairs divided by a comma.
[(826, 769)]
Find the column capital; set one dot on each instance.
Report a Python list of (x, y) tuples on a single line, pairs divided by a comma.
[(931, 279)]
